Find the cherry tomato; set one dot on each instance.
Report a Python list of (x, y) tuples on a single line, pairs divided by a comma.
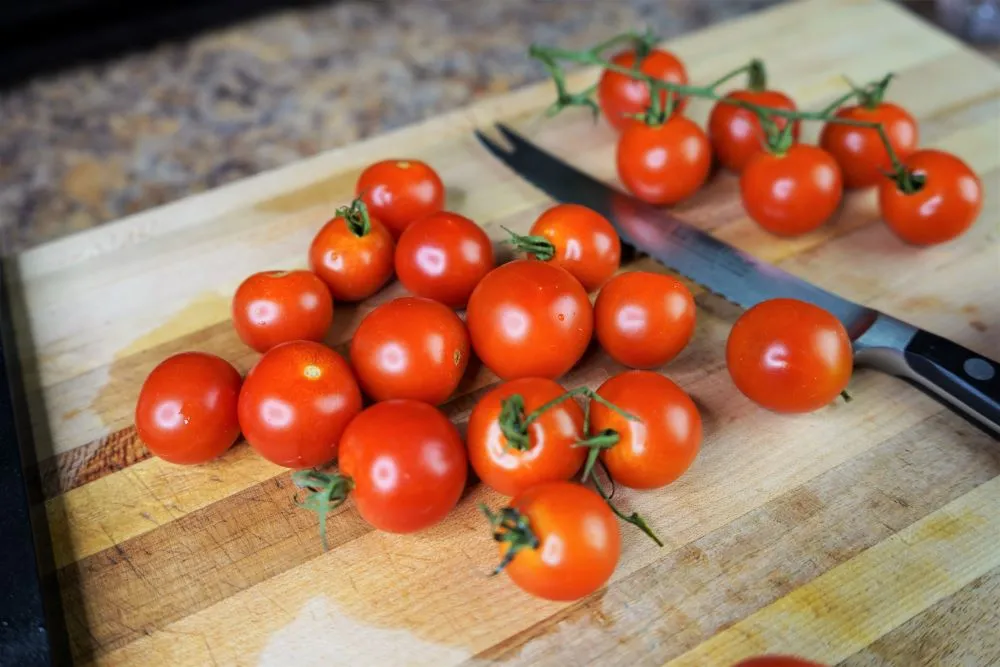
[(352, 254), (407, 465), (859, 150), (789, 356), (948, 199), (578, 239), (529, 319), (275, 307), (295, 404), (577, 542), (791, 193), (619, 94), (658, 448), (410, 348), (546, 452), (186, 412), (443, 257), (776, 661), (737, 134), (664, 164), (400, 192), (644, 320)]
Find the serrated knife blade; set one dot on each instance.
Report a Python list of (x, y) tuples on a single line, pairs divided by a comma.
[(963, 380)]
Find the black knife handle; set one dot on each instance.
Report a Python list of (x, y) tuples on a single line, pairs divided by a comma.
[(961, 379)]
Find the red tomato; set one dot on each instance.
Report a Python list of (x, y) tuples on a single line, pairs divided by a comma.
[(859, 150), (186, 411), (545, 452), (407, 465), (664, 164), (789, 356), (776, 661), (352, 254), (947, 200), (578, 239), (644, 320), (657, 449), (275, 307), (443, 257), (529, 319), (737, 134), (410, 348), (400, 192), (295, 404), (619, 94), (791, 193)]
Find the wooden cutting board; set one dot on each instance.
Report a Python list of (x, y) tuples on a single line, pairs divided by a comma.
[(866, 532)]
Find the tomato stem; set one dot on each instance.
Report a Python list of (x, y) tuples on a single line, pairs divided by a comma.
[(539, 246), (606, 439), (634, 518), (551, 57), (512, 422), (356, 217), (327, 491), (510, 526), (846, 396)]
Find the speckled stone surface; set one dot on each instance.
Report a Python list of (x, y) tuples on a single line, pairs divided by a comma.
[(98, 142)]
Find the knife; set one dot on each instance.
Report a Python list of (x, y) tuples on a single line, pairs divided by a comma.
[(966, 382)]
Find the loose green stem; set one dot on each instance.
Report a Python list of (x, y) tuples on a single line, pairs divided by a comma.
[(539, 246), (326, 492), (356, 216), (846, 396), (634, 518), (873, 91), (512, 527)]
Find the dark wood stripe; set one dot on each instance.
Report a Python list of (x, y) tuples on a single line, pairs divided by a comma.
[(678, 602), (91, 462)]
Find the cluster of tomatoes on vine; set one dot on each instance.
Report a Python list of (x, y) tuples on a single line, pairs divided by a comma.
[(925, 196)]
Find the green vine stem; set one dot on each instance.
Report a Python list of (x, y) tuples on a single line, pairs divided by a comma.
[(513, 528), (552, 56), (326, 492), (634, 518), (356, 217), (539, 246), (514, 423)]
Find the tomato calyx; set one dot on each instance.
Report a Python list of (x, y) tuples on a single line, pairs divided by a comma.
[(872, 93), (539, 246), (512, 527), (327, 491), (777, 141), (909, 182), (356, 217), (513, 424)]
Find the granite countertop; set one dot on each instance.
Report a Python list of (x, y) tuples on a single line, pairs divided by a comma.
[(102, 141), (98, 142)]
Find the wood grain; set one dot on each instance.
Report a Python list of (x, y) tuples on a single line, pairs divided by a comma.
[(859, 533)]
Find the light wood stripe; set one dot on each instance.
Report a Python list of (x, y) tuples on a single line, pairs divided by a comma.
[(853, 605)]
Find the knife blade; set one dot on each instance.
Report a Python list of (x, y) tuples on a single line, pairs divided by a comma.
[(965, 381)]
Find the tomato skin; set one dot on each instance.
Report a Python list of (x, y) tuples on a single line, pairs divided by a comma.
[(529, 319), (789, 356), (400, 192), (776, 661), (792, 193), (644, 320), (443, 257), (859, 151), (295, 404), (944, 207), (353, 267), (186, 412), (618, 94), (586, 244), (274, 307), (410, 348), (407, 464), (736, 133), (551, 456), (578, 536), (664, 164), (657, 449)]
